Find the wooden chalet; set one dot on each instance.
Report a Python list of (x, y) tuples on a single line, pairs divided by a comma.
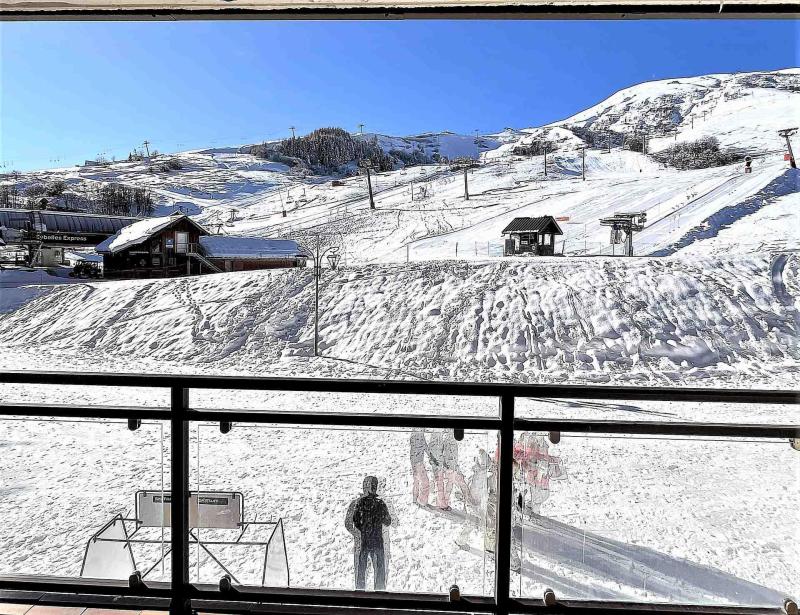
[(176, 245), (154, 247), (531, 236)]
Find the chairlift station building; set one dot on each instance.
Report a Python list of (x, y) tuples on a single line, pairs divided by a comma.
[(531, 236)]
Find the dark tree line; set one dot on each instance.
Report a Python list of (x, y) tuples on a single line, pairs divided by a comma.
[(326, 150), (700, 154), (536, 147), (120, 200), (111, 199)]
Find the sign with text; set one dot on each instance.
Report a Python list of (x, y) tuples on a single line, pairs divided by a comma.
[(212, 509)]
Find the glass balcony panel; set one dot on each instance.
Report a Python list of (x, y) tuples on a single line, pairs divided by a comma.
[(81, 395), (305, 483), (658, 411), (69, 497), (654, 519), (365, 403)]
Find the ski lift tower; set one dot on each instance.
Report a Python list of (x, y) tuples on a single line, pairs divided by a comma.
[(464, 164), (366, 166), (623, 225), (786, 133)]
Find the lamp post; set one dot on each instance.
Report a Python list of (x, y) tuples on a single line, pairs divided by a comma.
[(319, 254)]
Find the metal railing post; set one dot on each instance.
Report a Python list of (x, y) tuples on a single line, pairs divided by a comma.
[(503, 516), (179, 503)]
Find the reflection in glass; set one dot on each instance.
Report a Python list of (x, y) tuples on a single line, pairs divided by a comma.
[(404, 510), (658, 519)]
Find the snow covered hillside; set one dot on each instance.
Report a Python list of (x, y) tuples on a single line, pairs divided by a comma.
[(594, 320), (421, 210), (743, 110)]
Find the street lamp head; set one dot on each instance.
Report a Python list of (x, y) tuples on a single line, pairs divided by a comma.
[(333, 259)]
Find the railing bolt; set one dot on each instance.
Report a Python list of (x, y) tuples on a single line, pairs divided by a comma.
[(458, 434), (555, 437), (549, 597), (790, 606), (135, 580), (455, 593), (225, 426), (225, 584), (134, 424)]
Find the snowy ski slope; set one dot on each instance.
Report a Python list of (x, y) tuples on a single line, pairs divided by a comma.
[(421, 211)]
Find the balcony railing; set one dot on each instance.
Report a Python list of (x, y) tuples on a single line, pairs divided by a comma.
[(182, 596)]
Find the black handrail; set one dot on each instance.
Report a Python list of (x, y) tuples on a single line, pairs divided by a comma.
[(185, 596)]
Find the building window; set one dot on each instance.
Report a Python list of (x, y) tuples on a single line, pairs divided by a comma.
[(181, 243)]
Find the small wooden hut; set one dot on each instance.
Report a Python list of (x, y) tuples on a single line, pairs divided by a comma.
[(531, 236)]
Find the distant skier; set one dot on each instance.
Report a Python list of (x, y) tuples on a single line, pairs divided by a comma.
[(366, 519), (419, 447)]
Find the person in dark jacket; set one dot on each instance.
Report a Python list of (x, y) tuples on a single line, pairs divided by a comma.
[(365, 520)]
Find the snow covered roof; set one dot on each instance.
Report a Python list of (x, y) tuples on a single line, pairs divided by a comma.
[(532, 225), (225, 246), (138, 232)]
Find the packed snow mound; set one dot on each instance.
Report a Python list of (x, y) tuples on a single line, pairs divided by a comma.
[(654, 320)]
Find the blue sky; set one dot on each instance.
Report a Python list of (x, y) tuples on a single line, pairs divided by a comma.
[(70, 91)]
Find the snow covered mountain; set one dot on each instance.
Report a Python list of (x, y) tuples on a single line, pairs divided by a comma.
[(742, 110), (421, 210)]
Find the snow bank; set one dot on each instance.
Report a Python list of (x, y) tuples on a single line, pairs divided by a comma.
[(649, 320), (19, 286)]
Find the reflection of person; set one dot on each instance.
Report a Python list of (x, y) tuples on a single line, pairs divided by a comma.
[(366, 519), (443, 452), (452, 472), (419, 447), (435, 456)]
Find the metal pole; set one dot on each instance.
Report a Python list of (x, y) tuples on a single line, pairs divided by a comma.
[(503, 516), (545, 158), (791, 153), (583, 163), (317, 272), (179, 504), (369, 185), (466, 188)]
